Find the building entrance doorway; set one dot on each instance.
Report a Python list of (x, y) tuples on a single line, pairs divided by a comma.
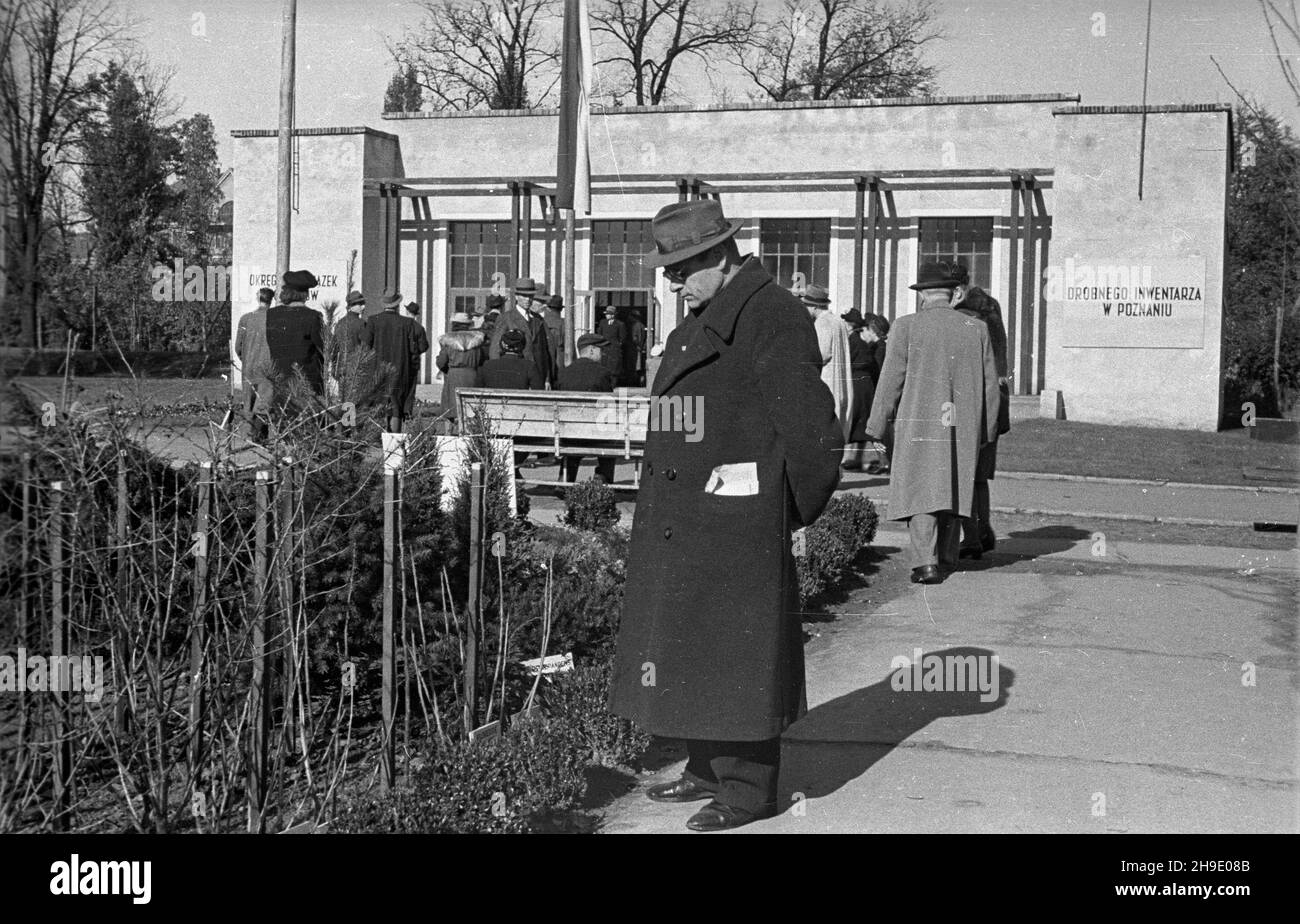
[(633, 308)]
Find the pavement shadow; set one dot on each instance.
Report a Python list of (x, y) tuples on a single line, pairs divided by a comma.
[(860, 574), (1026, 545), (841, 739)]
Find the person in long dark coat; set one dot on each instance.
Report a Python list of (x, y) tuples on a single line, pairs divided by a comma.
[(587, 373), (861, 359), (398, 344), (520, 317), (255, 365), (977, 536), (459, 360), (875, 333), (512, 370), (295, 338), (710, 645), (614, 331), (940, 387)]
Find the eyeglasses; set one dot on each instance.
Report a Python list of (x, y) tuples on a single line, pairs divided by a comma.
[(677, 272)]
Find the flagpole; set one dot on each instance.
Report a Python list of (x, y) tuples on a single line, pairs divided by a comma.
[(1146, 73), (284, 177), (570, 267)]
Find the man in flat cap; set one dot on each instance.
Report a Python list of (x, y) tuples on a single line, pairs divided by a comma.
[(588, 373), (939, 385), (295, 337), (710, 645), (398, 343), (520, 317)]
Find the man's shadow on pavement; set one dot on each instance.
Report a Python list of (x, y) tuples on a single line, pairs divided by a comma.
[(840, 740), (1026, 545)]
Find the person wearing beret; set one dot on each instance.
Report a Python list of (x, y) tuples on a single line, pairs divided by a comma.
[(398, 343), (710, 643), (588, 373), (512, 369), (977, 536), (520, 317), (940, 387), (295, 337)]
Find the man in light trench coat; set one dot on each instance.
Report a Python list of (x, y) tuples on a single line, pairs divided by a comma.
[(742, 448), (939, 385)]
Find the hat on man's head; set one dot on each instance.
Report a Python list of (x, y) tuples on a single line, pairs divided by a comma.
[(853, 317), (936, 276), (817, 296), (495, 301), (596, 340), (300, 279), (525, 286), (413, 308), (514, 341), (555, 302), (683, 229), (355, 298), (392, 300)]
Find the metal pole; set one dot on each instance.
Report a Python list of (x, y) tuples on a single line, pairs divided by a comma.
[(284, 178), (1146, 72)]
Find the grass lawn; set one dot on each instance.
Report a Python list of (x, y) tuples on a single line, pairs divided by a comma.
[(1069, 448)]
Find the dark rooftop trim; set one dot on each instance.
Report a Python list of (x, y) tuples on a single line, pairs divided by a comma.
[(745, 107), (1128, 110), (301, 132)]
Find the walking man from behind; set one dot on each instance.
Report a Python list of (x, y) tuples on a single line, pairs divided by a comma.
[(940, 387)]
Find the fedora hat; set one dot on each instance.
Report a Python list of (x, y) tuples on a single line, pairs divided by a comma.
[(936, 276), (853, 317), (683, 229), (525, 286), (355, 298), (817, 296), (392, 300)]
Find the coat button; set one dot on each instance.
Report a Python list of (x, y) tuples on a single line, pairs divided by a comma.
[(668, 533), (671, 474)]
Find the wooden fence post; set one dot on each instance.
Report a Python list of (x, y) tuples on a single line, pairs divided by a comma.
[(121, 674), (284, 574), (59, 644), (394, 457), (472, 614), (198, 625), (26, 607), (259, 702)]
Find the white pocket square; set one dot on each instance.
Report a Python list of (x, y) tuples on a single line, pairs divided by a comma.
[(737, 479)]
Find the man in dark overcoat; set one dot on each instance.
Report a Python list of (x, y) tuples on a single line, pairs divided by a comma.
[(398, 343), (615, 332), (295, 338), (940, 387), (520, 317), (742, 448), (587, 373)]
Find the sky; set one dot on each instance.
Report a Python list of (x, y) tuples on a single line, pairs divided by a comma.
[(225, 54)]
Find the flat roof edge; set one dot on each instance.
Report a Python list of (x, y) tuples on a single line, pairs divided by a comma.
[(1138, 109), (305, 132), (752, 106)]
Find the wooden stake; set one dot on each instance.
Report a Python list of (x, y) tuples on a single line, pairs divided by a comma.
[(390, 553), (284, 176), (26, 605), (121, 674), (286, 629), (59, 634), (198, 627), (259, 703), (472, 620)]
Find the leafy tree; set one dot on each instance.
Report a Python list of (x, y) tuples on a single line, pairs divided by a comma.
[(47, 49), (404, 93), (1262, 285), (649, 37), (842, 49), (482, 54), (204, 323)]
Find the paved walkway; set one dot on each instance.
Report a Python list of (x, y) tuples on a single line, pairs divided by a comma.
[(1152, 689)]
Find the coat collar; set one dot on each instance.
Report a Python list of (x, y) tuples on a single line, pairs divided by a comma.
[(692, 346)]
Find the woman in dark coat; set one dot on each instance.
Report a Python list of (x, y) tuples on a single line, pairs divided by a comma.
[(875, 333), (459, 360), (977, 532)]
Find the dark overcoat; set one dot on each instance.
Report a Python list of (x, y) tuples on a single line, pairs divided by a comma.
[(940, 387), (459, 359), (979, 304), (861, 358), (537, 346), (295, 339), (710, 645), (397, 341)]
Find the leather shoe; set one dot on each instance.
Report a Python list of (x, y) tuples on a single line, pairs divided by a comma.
[(719, 817), (989, 544), (970, 551), (927, 574), (680, 790)]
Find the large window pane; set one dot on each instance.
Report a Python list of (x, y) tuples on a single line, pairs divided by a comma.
[(967, 240), (790, 245)]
